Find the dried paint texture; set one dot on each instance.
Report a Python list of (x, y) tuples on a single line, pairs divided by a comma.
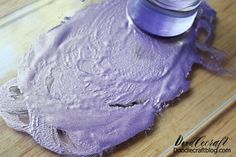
[(96, 80)]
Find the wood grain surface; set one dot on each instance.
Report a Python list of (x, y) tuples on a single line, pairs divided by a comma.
[(207, 92), (9, 6)]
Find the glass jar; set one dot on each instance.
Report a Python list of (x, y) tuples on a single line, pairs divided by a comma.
[(165, 18)]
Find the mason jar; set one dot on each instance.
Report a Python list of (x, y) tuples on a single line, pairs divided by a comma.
[(165, 18)]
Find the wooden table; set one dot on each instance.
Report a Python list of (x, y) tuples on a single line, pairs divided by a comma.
[(207, 92)]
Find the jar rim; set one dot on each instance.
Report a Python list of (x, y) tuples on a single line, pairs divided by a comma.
[(177, 5)]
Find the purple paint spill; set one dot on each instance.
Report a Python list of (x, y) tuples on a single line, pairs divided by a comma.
[(97, 80)]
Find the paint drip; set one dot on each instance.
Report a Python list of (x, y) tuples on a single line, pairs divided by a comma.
[(96, 80)]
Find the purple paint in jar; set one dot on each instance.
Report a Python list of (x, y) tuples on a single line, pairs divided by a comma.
[(165, 18)]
